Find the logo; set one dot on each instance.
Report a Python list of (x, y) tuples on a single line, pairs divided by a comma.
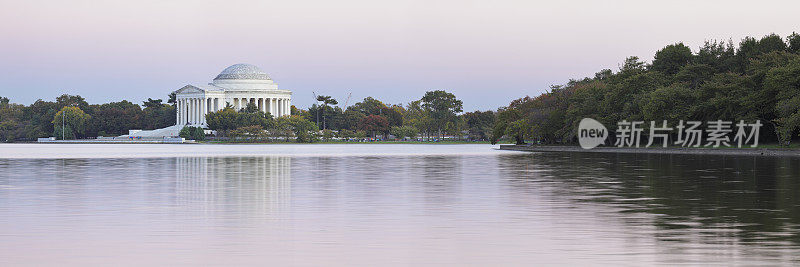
[(591, 133)]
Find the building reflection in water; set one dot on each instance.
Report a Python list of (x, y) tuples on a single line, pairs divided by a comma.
[(242, 186)]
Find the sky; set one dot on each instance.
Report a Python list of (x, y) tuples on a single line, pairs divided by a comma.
[(485, 52)]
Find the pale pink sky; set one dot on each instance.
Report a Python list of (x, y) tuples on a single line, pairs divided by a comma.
[(486, 52)]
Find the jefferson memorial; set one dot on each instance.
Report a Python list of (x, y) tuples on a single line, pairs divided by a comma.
[(237, 86)]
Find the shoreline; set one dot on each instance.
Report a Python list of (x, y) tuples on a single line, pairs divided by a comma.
[(665, 151)]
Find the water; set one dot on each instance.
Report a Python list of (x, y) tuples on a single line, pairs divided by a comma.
[(384, 204)]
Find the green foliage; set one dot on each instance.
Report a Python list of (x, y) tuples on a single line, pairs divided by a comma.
[(672, 58), (401, 132), (193, 133), (442, 107), (794, 43), (327, 134), (345, 133), (228, 119), (758, 80), (116, 118), (368, 106), (223, 120), (305, 131), (70, 123), (11, 117), (786, 81), (671, 103), (152, 103), (158, 116), (361, 134), (518, 130), (172, 98), (250, 132)]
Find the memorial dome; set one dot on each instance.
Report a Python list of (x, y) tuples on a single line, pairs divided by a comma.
[(242, 72)]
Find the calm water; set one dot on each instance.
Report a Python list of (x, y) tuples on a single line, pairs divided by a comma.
[(390, 205)]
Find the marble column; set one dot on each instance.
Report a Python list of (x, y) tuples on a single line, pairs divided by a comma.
[(183, 111), (203, 110), (188, 110), (199, 110)]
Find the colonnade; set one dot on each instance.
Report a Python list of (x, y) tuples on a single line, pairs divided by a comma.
[(192, 111)]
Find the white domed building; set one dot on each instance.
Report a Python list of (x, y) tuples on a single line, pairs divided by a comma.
[(237, 86)]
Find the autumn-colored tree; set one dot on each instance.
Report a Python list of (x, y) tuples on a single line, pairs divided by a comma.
[(374, 123)]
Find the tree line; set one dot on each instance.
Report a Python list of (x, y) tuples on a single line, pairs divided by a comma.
[(758, 79), (435, 115), (79, 119)]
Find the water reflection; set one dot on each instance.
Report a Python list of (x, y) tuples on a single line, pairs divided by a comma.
[(693, 205), (409, 209), (233, 184)]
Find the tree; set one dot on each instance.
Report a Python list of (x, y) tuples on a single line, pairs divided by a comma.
[(671, 58), (172, 98), (70, 123), (327, 134), (794, 42), (249, 108), (160, 116), (305, 131), (11, 120), (442, 107), (347, 134), (115, 118), (416, 116), (479, 123), (193, 133), (393, 115), (223, 120), (368, 106), (786, 81), (351, 119), (284, 127), (72, 100), (374, 123), (152, 103), (672, 103), (250, 132), (401, 132), (518, 130), (326, 100)]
